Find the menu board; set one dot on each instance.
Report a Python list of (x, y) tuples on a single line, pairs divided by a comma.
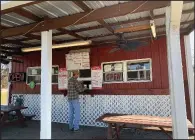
[(62, 79), (75, 61), (96, 77)]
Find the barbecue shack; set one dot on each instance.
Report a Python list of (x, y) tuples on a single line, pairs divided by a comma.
[(126, 54)]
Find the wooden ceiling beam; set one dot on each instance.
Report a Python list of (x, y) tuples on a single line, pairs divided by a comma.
[(130, 21), (82, 5), (27, 14), (132, 29), (101, 13), (157, 27), (13, 9), (107, 26)]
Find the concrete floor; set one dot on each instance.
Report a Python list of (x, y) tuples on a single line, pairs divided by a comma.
[(60, 131)]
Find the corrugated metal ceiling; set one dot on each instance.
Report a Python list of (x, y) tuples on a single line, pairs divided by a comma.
[(63, 37), (33, 41), (127, 17), (96, 32), (81, 26), (100, 4), (16, 37), (54, 9), (105, 38)]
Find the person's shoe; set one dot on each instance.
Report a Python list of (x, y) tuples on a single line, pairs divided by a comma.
[(72, 129), (77, 130)]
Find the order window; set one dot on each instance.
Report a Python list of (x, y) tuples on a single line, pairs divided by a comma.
[(139, 70), (34, 74), (113, 72)]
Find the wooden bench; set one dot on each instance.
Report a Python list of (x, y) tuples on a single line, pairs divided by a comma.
[(116, 122)]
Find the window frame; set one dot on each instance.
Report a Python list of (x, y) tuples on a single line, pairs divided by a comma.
[(137, 61), (40, 75), (124, 63), (118, 71)]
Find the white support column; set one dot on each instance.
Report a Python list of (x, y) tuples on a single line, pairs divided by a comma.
[(46, 84), (176, 84), (9, 83), (190, 73)]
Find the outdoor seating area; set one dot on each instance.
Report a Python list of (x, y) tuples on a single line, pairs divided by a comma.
[(61, 131), (97, 70)]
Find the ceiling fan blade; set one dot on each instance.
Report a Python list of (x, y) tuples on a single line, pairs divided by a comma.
[(114, 50)]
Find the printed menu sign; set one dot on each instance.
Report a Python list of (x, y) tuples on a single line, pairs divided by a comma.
[(75, 61), (62, 79), (96, 77)]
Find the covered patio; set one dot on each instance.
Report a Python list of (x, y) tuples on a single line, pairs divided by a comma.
[(45, 26), (61, 131)]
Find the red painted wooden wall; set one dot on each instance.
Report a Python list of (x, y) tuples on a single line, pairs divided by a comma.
[(156, 51)]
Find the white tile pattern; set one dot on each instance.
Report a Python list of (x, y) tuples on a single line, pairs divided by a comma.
[(93, 107)]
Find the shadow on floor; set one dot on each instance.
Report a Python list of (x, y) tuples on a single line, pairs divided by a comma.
[(61, 131)]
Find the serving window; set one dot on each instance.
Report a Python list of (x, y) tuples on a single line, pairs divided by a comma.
[(138, 70), (113, 72), (34, 74)]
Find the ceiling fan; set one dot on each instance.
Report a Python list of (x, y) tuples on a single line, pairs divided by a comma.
[(127, 45)]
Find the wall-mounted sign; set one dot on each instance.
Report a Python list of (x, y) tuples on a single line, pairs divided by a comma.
[(96, 77), (62, 79), (115, 76), (17, 77)]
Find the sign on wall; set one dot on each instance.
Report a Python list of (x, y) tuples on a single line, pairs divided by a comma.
[(62, 79), (96, 77), (76, 61), (17, 77)]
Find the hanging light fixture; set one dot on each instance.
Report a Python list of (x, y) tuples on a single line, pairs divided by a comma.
[(57, 46)]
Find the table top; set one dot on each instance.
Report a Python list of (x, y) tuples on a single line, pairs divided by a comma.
[(9, 108), (139, 120)]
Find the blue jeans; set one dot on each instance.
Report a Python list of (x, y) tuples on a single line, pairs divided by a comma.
[(74, 114)]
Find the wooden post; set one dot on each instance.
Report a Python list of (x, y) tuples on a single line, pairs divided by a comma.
[(176, 84), (46, 84), (190, 73)]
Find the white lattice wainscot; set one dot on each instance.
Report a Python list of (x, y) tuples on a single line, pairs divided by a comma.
[(93, 107)]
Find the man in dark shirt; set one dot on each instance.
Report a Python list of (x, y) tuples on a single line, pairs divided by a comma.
[(74, 88)]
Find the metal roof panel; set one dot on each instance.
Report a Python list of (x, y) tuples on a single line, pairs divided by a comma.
[(96, 32), (63, 37), (101, 4), (54, 9), (81, 26)]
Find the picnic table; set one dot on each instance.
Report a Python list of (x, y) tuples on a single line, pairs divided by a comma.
[(116, 122), (6, 109)]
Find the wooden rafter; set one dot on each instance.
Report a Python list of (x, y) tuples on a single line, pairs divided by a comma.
[(101, 13), (105, 25), (27, 14), (13, 9), (127, 22), (157, 27), (64, 31), (82, 5), (132, 29)]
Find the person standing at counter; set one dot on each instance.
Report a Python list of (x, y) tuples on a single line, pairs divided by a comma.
[(74, 88)]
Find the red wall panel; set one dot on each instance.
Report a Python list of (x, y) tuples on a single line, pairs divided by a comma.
[(98, 54)]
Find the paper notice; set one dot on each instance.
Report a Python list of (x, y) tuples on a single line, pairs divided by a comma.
[(96, 77), (62, 79)]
